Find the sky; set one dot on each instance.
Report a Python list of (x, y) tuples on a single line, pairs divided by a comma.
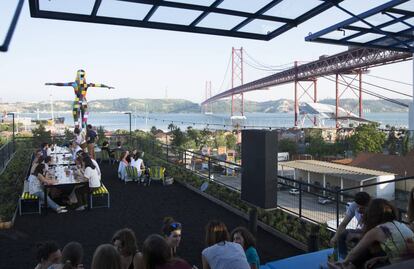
[(149, 63)]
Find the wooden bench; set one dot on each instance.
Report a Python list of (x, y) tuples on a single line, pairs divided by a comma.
[(27, 200), (101, 193)]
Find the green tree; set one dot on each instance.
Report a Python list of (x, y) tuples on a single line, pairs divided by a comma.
[(69, 135), (101, 135), (171, 127), (219, 139), (40, 135), (367, 138), (178, 137), (153, 130), (231, 141), (195, 136), (287, 145)]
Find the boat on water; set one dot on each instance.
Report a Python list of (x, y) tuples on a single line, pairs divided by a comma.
[(50, 121)]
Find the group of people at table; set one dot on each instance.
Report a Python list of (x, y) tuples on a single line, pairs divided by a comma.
[(71, 174), (159, 251)]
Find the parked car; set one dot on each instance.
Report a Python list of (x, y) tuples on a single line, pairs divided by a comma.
[(324, 201), (294, 191)]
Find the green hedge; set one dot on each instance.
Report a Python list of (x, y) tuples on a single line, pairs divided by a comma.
[(11, 182), (278, 219)]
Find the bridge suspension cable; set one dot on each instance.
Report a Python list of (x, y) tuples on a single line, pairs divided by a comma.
[(382, 87), (225, 74), (368, 92), (388, 79)]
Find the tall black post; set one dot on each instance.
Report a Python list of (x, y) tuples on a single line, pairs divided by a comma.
[(253, 221), (14, 143)]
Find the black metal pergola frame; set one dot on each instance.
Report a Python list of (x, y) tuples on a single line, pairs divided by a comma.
[(398, 40), (235, 31), (12, 27)]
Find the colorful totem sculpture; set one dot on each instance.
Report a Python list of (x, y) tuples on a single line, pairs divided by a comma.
[(80, 105)]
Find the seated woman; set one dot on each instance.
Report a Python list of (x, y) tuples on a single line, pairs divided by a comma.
[(106, 257), (243, 237), (122, 164), (220, 252), (105, 147), (38, 161), (137, 162), (126, 243), (93, 177), (385, 239), (156, 254), (36, 182), (172, 234)]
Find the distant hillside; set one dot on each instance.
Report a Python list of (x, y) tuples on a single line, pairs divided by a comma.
[(184, 106)]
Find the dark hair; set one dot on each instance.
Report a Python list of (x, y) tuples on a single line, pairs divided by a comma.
[(118, 143), (410, 210), (137, 155), (128, 241), (105, 143), (362, 198), (40, 169), (44, 250), (379, 211), (216, 231), (88, 162), (41, 159), (89, 126), (169, 225), (72, 255), (128, 158), (48, 159), (76, 130), (44, 144), (249, 240), (122, 156), (106, 257), (156, 251)]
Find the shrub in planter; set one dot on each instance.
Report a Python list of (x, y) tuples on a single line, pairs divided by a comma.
[(11, 183)]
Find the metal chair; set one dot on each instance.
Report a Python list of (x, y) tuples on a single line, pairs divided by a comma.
[(156, 173)]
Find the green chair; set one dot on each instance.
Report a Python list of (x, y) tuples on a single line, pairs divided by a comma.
[(156, 173), (117, 155), (105, 157), (132, 173)]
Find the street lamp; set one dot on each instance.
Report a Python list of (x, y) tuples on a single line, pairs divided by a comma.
[(130, 130), (12, 114)]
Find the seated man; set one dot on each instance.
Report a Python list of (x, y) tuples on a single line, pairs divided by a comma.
[(343, 237)]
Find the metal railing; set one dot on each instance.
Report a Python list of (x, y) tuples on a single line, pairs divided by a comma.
[(6, 153), (306, 200)]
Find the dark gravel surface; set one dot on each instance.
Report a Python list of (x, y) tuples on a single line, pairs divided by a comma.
[(137, 207)]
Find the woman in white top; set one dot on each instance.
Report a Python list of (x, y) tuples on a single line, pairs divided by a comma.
[(36, 182), (93, 175), (220, 252), (137, 162)]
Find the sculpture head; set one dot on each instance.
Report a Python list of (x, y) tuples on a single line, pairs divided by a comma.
[(80, 75)]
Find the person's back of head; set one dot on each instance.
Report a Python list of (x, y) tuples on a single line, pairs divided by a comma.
[(89, 126), (379, 211), (155, 251), (45, 250), (362, 198), (106, 257), (105, 144), (72, 255), (127, 242), (216, 231), (76, 131), (118, 144)]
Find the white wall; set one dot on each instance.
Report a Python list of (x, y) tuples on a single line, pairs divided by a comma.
[(386, 190)]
